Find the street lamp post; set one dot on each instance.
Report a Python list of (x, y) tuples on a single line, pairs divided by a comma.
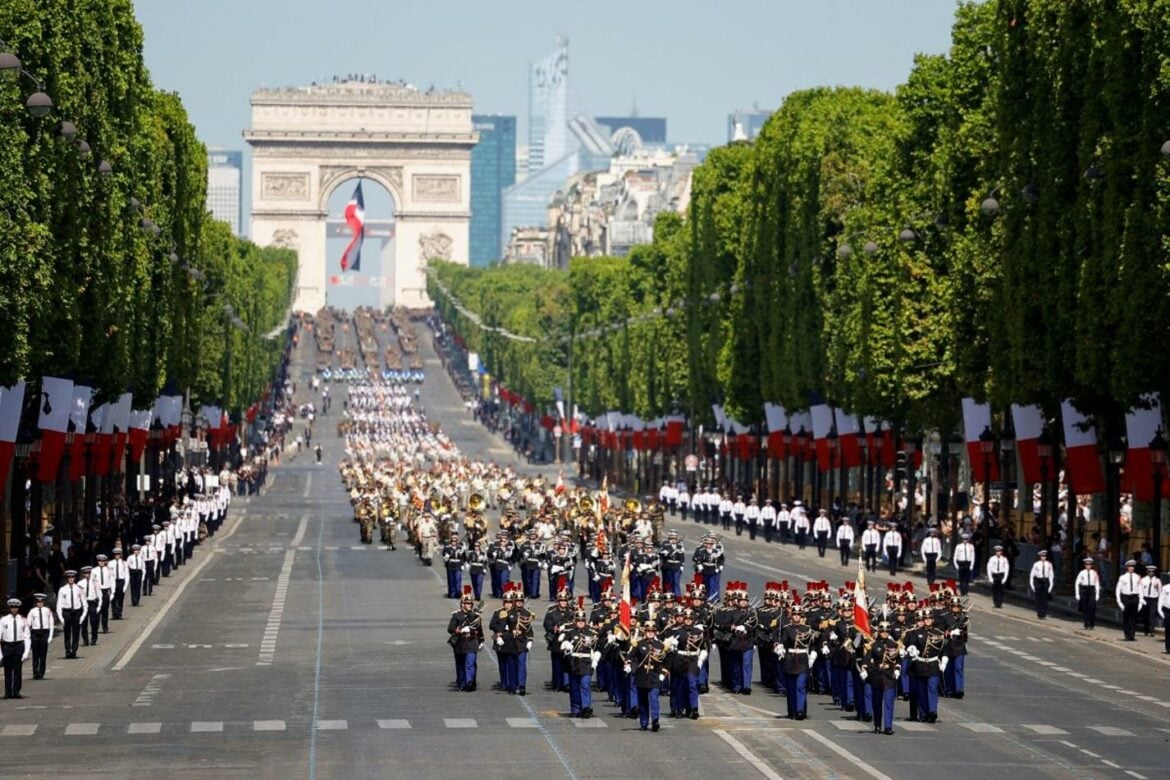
[(833, 442), (801, 442), (1158, 461), (986, 448), (1117, 451), (786, 475), (1044, 453), (910, 446), (879, 442), (1007, 443)]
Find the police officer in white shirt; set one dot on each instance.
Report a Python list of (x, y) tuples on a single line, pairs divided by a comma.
[(751, 514), (93, 601), (40, 632), (997, 571), (1164, 611), (103, 577), (784, 523), (725, 505), (800, 525), (822, 528), (1041, 580), (768, 519), (135, 570), (931, 551), (683, 499), (121, 576), (871, 542), (1129, 599), (1087, 589), (149, 555), (1151, 589), (845, 540), (14, 648), (892, 546), (964, 558), (71, 611)]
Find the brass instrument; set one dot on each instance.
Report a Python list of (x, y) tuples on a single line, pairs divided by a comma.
[(585, 505), (632, 505), (476, 503)]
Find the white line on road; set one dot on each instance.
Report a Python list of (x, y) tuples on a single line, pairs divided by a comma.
[(276, 613), (747, 755), (845, 754), (300, 534), (308, 486)]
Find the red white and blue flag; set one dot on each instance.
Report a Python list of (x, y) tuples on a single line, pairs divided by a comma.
[(355, 217)]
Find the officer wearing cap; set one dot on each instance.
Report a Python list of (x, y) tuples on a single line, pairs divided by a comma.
[(672, 556), (1129, 599), (121, 575), (1151, 590), (579, 644), (708, 563), (931, 551), (1087, 588), (453, 556), (14, 648), (71, 611), (882, 668), (135, 568), (557, 619), (93, 600), (40, 631), (150, 561), (997, 571), (104, 579), (794, 647), (1042, 580), (964, 557), (466, 638), (646, 662)]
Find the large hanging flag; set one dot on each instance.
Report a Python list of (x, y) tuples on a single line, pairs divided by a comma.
[(1028, 422), (56, 404), (1141, 424), (976, 419), (11, 404), (355, 217), (1080, 447)]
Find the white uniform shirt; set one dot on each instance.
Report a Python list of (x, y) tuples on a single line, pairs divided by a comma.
[(965, 553), (799, 519), (768, 515), (930, 546), (71, 597), (119, 569), (725, 506), (892, 540), (90, 591), (1088, 578), (1151, 587), (998, 564), (783, 518), (822, 526), (14, 628), (1129, 584), (752, 514), (871, 537), (103, 577), (1164, 601), (845, 534), (41, 618), (1042, 570)]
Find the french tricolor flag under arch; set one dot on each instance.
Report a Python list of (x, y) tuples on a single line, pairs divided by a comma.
[(355, 217)]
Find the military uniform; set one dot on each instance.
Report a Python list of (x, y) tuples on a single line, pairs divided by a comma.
[(558, 617), (882, 670), (15, 646), (40, 631), (579, 644), (647, 662), (926, 649), (794, 647), (708, 563), (465, 630)]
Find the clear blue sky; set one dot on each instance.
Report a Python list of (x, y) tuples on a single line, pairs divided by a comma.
[(692, 61)]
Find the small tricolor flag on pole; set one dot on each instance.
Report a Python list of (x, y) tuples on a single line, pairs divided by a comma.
[(355, 217), (861, 603)]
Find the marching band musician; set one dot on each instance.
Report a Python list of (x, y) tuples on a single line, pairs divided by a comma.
[(794, 647), (647, 662), (454, 555), (926, 650), (466, 639), (477, 563), (579, 644), (557, 619), (501, 554), (882, 671), (672, 556), (561, 569), (531, 554)]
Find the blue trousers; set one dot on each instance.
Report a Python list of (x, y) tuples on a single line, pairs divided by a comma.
[(904, 680), (741, 669), (464, 669), (594, 590), (953, 676), (888, 697), (605, 675), (863, 693), (797, 687), (647, 706), (842, 684), (560, 673), (684, 693), (509, 670), (671, 581), (705, 671), (580, 697), (499, 580), (454, 583), (620, 693), (522, 669), (925, 689), (711, 582), (477, 585), (531, 580)]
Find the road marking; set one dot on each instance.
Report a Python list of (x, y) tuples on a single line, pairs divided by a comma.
[(144, 728), (870, 770), (1061, 669), (162, 647), (846, 725), (308, 486), (276, 613), (300, 534), (18, 730), (1112, 731), (393, 723), (592, 723), (1040, 728), (268, 725), (332, 725), (81, 729), (1132, 773), (913, 725), (523, 723), (982, 728), (146, 698), (460, 723), (1107, 762), (206, 726), (746, 754)]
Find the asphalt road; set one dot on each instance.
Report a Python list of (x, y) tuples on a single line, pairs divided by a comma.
[(294, 651)]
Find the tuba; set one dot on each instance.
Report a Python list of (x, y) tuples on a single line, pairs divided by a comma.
[(632, 505), (585, 505), (476, 503)]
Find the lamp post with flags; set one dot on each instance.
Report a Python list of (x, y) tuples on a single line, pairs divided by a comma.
[(1044, 453), (1158, 462), (986, 449)]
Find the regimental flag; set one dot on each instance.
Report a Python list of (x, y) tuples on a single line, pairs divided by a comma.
[(355, 217), (1082, 463), (603, 497), (625, 610), (861, 603)]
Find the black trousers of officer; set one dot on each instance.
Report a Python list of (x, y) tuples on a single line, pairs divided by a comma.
[(753, 526), (725, 519), (822, 544), (94, 618), (964, 577), (12, 655), (40, 651), (895, 556), (997, 581), (931, 568), (135, 586), (151, 578), (1129, 610), (844, 548), (738, 524), (1042, 596), (1087, 602), (871, 557), (1150, 616), (1166, 626), (119, 598), (71, 630), (107, 597), (166, 562)]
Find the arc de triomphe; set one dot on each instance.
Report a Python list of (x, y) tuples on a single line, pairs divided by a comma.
[(308, 141)]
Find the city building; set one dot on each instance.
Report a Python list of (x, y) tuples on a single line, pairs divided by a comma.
[(651, 130), (493, 169), (746, 125), (225, 171)]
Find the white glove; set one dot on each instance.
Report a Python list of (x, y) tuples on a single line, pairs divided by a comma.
[(566, 647), (465, 630), (812, 657), (702, 657), (912, 651), (627, 668), (662, 677), (942, 663), (671, 643), (825, 648), (741, 629), (779, 649), (529, 644), (956, 632), (481, 646), (833, 636), (897, 674), (499, 641), (863, 674), (595, 657)]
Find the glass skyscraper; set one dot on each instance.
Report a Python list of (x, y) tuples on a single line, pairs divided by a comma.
[(493, 169), (224, 174)]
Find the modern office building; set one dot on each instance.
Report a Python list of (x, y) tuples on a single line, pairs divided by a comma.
[(493, 169), (651, 130), (548, 107), (224, 191), (746, 125)]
